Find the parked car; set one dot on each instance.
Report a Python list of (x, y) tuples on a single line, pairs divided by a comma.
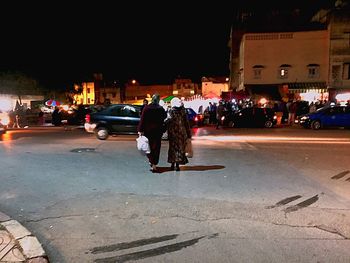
[(76, 115), (4, 121), (251, 117), (328, 116), (116, 119)]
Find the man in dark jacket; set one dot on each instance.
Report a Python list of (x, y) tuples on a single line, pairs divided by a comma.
[(152, 126)]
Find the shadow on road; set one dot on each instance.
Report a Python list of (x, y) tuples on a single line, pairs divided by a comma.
[(161, 169)]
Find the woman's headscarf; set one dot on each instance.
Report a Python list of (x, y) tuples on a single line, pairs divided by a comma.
[(175, 102)]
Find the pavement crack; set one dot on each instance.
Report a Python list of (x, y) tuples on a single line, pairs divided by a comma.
[(51, 217), (320, 227), (331, 230)]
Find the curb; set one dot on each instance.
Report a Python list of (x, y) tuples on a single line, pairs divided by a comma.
[(21, 239)]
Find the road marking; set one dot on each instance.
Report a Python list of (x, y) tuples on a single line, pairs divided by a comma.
[(132, 244), (284, 201), (340, 175), (301, 205), (154, 251)]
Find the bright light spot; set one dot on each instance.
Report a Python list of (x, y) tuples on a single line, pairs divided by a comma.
[(263, 101), (5, 104), (343, 97), (4, 119), (313, 96)]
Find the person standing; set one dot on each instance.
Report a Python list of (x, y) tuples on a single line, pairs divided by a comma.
[(56, 117), (292, 109), (178, 132), (312, 107), (151, 126), (41, 120), (219, 113), (144, 104), (212, 112)]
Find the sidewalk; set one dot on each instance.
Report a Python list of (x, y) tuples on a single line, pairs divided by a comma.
[(17, 244)]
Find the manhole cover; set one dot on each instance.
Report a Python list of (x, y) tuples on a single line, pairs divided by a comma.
[(81, 150)]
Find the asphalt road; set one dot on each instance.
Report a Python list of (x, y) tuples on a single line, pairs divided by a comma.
[(247, 195)]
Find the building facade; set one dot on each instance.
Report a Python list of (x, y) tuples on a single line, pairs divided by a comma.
[(339, 59), (280, 63), (311, 61)]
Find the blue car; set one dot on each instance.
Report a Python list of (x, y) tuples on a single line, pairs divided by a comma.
[(329, 116), (194, 118)]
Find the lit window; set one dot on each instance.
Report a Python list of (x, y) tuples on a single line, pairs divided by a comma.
[(283, 71)]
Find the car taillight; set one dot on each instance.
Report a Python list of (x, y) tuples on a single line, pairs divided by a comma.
[(87, 118), (196, 118)]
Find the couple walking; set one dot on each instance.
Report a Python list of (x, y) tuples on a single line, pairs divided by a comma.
[(153, 120)]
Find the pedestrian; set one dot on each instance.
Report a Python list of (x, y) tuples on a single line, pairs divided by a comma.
[(41, 119), (212, 112), (56, 117), (144, 103), (152, 126), (178, 132), (292, 109), (312, 107), (219, 113)]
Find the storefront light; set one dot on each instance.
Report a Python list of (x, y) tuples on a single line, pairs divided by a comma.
[(5, 104), (343, 97)]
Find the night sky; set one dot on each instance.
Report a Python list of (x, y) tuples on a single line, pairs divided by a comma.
[(58, 43)]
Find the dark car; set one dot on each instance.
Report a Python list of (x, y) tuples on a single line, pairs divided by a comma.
[(328, 116), (194, 118), (116, 119), (251, 117)]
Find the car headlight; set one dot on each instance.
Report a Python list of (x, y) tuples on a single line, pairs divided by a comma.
[(304, 118)]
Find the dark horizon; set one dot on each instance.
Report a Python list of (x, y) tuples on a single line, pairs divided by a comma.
[(60, 45)]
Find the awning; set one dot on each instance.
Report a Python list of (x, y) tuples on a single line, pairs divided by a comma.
[(270, 92), (168, 98), (303, 87), (211, 95)]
